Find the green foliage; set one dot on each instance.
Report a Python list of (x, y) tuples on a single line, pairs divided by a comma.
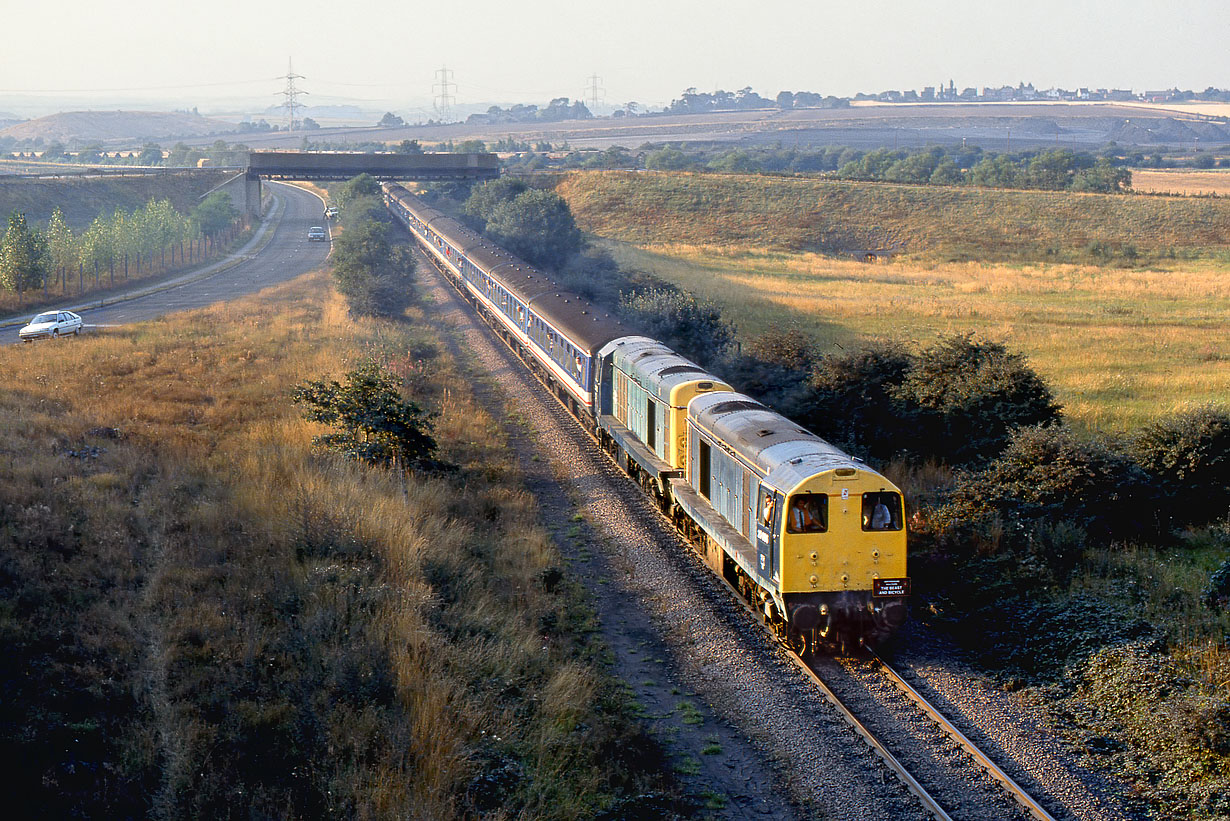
[(1177, 733), (215, 214), (774, 369), (1046, 476), (668, 159), (484, 198), (364, 185), (375, 276), (536, 226), (693, 327), (377, 425), (1103, 178), (852, 399), (1188, 456), (24, 256), (965, 396)]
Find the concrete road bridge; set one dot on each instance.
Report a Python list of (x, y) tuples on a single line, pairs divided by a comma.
[(245, 188)]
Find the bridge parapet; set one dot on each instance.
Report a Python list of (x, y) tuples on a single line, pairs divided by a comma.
[(320, 165)]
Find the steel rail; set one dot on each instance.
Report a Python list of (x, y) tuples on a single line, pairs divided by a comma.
[(1014, 789), (929, 804)]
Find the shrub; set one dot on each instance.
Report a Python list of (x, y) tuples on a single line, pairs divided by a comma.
[(1176, 732), (1047, 477), (536, 226), (852, 398), (378, 426), (484, 199), (693, 327), (964, 397), (774, 368), (364, 185), (1188, 455), (375, 276)]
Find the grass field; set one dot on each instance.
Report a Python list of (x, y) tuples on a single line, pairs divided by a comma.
[(1181, 181), (1119, 345), (202, 616), (928, 223)]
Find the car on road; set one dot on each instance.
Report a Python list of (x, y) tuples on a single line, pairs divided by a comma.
[(317, 234), (51, 324)]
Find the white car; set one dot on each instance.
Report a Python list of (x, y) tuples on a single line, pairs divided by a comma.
[(51, 323), (317, 234)]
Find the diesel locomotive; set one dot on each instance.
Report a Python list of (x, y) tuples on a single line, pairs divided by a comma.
[(811, 536)]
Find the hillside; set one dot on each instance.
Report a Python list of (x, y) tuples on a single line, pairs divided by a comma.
[(102, 126), (82, 199), (843, 217)]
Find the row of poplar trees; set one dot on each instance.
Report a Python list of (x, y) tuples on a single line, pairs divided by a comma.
[(30, 258)]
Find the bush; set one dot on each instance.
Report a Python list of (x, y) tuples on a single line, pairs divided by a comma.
[(364, 185), (692, 327), (484, 199), (1176, 732), (852, 399), (377, 425), (774, 368), (375, 276), (1188, 456), (963, 398), (536, 226), (1045, 478)]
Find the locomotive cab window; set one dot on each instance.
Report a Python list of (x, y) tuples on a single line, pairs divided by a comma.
[(882, 511), (764, 507), (808, 513)]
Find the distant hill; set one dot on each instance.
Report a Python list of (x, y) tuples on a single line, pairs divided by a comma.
[(105, 126)]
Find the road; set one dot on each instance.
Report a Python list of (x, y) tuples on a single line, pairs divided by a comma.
[(287, 255)]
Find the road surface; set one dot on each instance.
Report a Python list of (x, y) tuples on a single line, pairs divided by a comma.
[(287, 255)]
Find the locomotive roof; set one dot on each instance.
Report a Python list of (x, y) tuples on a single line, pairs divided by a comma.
[(653, 366), (784, 452)]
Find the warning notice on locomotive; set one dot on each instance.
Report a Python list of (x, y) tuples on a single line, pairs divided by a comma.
[(890, 587)]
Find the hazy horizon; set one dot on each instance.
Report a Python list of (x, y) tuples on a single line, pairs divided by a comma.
[(385, 56)]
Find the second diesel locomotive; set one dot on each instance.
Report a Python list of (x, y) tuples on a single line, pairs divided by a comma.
[(810, 535)]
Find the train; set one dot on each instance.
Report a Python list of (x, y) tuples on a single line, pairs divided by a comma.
[(812, 537)]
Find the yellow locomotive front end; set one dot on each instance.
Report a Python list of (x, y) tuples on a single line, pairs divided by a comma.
[(843, 555)]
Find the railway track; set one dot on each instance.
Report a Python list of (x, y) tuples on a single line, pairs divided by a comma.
[(948, 775)]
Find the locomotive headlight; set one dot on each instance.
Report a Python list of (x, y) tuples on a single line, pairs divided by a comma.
[(824, 609), (814, 557), (814, 580)]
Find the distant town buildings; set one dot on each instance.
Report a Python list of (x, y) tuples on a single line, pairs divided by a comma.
[(1026, 92)]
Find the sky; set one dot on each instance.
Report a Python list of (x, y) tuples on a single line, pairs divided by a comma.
[(385, 54)]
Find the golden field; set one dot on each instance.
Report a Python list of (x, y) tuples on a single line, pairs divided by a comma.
[(1181, 181), (203, 616), (1117, 346)]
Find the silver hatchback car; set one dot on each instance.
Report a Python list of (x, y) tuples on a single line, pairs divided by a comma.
[(51, 324)]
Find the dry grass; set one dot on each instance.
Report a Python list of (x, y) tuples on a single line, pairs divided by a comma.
[(1118, 346), (1181, 181), (932, 223), (202, 617)]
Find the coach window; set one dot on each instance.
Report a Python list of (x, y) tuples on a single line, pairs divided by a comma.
[(808, 513)]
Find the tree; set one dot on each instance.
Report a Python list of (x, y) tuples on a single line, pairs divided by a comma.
[(364, 185), (391, 120), (409, 147), (693, 327), (377, 425), (1103, 178), (375, 276), (536, 226), (151, 154), (23, 256), (484, 199), (215, 214), (1188, 456), (61, 245)]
